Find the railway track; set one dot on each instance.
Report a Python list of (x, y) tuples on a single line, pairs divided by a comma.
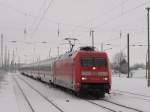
[(130, 108), (33, 110), (131, 94), (110, 106), (120, 107), (102, 106), (25, 97)]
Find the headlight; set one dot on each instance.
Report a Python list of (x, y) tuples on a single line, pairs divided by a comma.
[(101, 74), (85, 73), (105, 78), (84, 78)]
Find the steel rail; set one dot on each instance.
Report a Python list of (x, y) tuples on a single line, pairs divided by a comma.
[(42, 95), (25, 97)]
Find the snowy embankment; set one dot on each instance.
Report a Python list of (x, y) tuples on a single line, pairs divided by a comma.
[(136, 84), (132, 91), (7, 96)]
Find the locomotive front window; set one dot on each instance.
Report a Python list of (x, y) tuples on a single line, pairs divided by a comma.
[(97, 62), (100, 62), (87, 61)]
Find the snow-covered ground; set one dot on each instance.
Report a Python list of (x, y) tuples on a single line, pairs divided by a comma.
[(132, 91), (12, 100), (136, 84), (8, 101)]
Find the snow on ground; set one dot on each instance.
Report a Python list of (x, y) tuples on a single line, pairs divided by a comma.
[(11, 99), (7, 97), (39, 104), (136, 84)]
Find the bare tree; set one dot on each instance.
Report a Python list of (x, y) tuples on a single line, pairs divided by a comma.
[(120, 62)]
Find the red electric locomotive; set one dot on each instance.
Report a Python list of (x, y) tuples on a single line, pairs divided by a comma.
[(83, 71)]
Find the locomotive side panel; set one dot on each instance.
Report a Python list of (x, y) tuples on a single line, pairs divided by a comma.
[(77, 76)]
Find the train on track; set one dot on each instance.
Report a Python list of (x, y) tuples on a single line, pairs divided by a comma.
[(83, 71)]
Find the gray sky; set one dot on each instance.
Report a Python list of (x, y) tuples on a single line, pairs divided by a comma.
[(41, 19)]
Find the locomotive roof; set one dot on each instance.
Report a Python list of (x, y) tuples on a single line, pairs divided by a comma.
[(80, 51), (87, 48)]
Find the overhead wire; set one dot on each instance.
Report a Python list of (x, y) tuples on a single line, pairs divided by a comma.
[(56, 22), (13, 8), (33, 16), (120, 15), (42, 17), (35, 19), (36, 28), (116, 17), (108, 12), (93, 19), (130, 10)]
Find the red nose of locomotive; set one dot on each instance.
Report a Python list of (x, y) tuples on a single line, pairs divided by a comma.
[(94, 70), (94, 74)]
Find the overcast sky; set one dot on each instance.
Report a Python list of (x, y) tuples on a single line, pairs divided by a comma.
[(30, 22)]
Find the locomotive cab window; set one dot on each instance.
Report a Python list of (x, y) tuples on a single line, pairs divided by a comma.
[(86, 61), (98, 62)]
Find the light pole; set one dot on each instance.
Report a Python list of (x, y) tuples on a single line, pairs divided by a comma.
[(128, 51), (49, 53), (58, 50), (92, 34), (148, 66), (102, 45), (2, 50)]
